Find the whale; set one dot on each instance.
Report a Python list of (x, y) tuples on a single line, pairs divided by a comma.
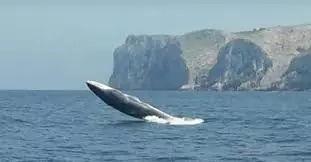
[(125, 103)]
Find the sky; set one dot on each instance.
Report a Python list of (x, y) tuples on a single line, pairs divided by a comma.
[(61, 44)]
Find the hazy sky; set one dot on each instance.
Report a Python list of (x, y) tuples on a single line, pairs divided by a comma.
[(60, 45)]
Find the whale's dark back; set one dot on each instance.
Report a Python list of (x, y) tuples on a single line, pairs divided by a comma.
[(130, 105), (125, 103)]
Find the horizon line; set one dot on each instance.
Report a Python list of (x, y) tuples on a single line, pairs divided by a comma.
[(43, 89)]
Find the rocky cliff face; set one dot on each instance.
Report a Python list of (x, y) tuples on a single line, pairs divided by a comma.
[(241, 65), (261, 59), (149, 62), (200, 50), (298, 75)]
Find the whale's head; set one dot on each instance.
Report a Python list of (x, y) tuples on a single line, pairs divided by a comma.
[(95, 85), (108, 94)]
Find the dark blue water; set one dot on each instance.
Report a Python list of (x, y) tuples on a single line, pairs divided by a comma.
[(77, 126)]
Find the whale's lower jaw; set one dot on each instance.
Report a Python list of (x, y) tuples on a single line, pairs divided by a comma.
[(125, 103)]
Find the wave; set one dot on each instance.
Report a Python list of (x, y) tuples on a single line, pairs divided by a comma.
[(174, 120)]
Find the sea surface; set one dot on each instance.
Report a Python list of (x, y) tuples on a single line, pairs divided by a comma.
[(77, 126)]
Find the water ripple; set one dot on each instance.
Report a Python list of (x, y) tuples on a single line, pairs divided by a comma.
[(76, 126)]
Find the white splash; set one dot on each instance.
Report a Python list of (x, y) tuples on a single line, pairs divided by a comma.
[(174, 121)]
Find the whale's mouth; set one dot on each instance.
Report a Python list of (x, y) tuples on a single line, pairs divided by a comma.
[(174, 120)]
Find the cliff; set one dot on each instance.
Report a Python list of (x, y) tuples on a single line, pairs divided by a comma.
[(149, 62), (274, 58), (241, 65), (298, 75)]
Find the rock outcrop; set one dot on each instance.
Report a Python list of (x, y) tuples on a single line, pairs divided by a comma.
[(261, 59), (298, 75), (241, 65), (200, 50), (149, 62)]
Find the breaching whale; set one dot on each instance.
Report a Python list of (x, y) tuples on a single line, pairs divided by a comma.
[(125, 103)]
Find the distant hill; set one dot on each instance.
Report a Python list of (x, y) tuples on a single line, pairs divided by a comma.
[(272, 58)]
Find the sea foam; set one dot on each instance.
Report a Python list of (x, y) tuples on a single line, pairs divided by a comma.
[(174, 120)]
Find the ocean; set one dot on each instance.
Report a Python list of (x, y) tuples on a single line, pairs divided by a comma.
[(77, 126)]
